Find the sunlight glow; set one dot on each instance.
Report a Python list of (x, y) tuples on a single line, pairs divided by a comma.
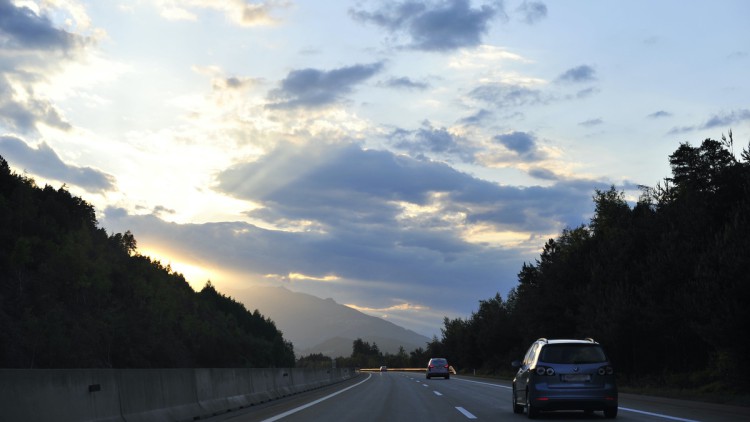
[(487, 233), (299, 276), (196, 275)]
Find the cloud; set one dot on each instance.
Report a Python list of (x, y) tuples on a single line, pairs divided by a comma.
[(503, 95), (317, 88), (727, 119), (659, 114), (543, 174), (22, 29), (433, 26), (591, 122), (532, 11), (578, 74), (430, 140), (476, 118), (723, 119), (405, 83), (35, 50), (376, 220), (24, 115), (523, 144), (241, 12), (44, 162)]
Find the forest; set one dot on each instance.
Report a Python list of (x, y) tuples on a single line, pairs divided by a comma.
[(662, 282), (73, 296)]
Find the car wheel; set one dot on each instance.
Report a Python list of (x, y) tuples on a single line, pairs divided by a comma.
[(517, 408), (428, 377), (447, 377), (531, 411), (610, 412)]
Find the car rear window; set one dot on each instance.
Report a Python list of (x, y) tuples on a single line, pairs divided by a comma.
[(572, 353), (437, 362)]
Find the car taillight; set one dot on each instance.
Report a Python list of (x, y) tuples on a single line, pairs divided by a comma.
[(446, 366), (431, 366)]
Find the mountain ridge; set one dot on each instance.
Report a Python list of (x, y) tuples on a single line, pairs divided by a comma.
[(316, 325)]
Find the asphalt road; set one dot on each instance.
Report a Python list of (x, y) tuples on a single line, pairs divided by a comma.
[(409, 397)]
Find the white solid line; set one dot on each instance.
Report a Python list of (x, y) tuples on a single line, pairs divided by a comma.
[(486, 383), (295, 410), (437, 393), (658, 415), (466, 413)]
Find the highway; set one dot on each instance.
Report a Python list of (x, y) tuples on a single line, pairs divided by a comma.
[(409, 397)]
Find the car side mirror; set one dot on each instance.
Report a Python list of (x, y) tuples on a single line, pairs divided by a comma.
[(515, 364)]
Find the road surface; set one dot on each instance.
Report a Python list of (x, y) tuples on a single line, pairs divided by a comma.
[(409, 397)]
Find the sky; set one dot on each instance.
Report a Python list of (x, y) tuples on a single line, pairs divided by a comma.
[(404, 158)]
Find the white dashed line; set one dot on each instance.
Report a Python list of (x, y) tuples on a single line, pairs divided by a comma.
[(438, 393), (466, 413), (425, 385)]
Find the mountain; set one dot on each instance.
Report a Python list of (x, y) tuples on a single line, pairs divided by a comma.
[(316, 325)]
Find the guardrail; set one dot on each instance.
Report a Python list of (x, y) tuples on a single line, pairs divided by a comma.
[(111, 395)]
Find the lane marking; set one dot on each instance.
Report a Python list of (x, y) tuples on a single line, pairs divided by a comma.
[(303, 407), (658, 415), (438, 393), (425, 385), (465, 412), (486, 383)]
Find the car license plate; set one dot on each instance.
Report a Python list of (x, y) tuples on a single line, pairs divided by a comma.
[(576, 377)]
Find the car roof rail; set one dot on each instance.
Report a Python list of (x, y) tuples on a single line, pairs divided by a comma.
[(590, 339)]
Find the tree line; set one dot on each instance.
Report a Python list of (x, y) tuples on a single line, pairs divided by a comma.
[(73, 296), (662, 282), (366, 355)]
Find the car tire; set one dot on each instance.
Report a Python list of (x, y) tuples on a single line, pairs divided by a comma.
[(428, 377), (610, 412), (531, 411), (517, 408), (447, 377)]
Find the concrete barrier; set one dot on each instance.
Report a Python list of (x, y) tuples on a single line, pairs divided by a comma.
[(144, 395)]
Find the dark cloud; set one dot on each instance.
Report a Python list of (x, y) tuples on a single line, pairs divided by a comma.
[(659, 114), (430, 140), (522, 144), (44, 162), (532, 11), (351, 202), (21, 29), (543, 174), (727, 119), (476, 118), (337, 184), (316, 88), (720, 120), (434, 26), (23, 116), (35, 47), (591, 122), (578, 74), (506, 95), (405, 83)]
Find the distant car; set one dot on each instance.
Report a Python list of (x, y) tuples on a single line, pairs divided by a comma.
[(383, 368), (564, 375), (438, 367)]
